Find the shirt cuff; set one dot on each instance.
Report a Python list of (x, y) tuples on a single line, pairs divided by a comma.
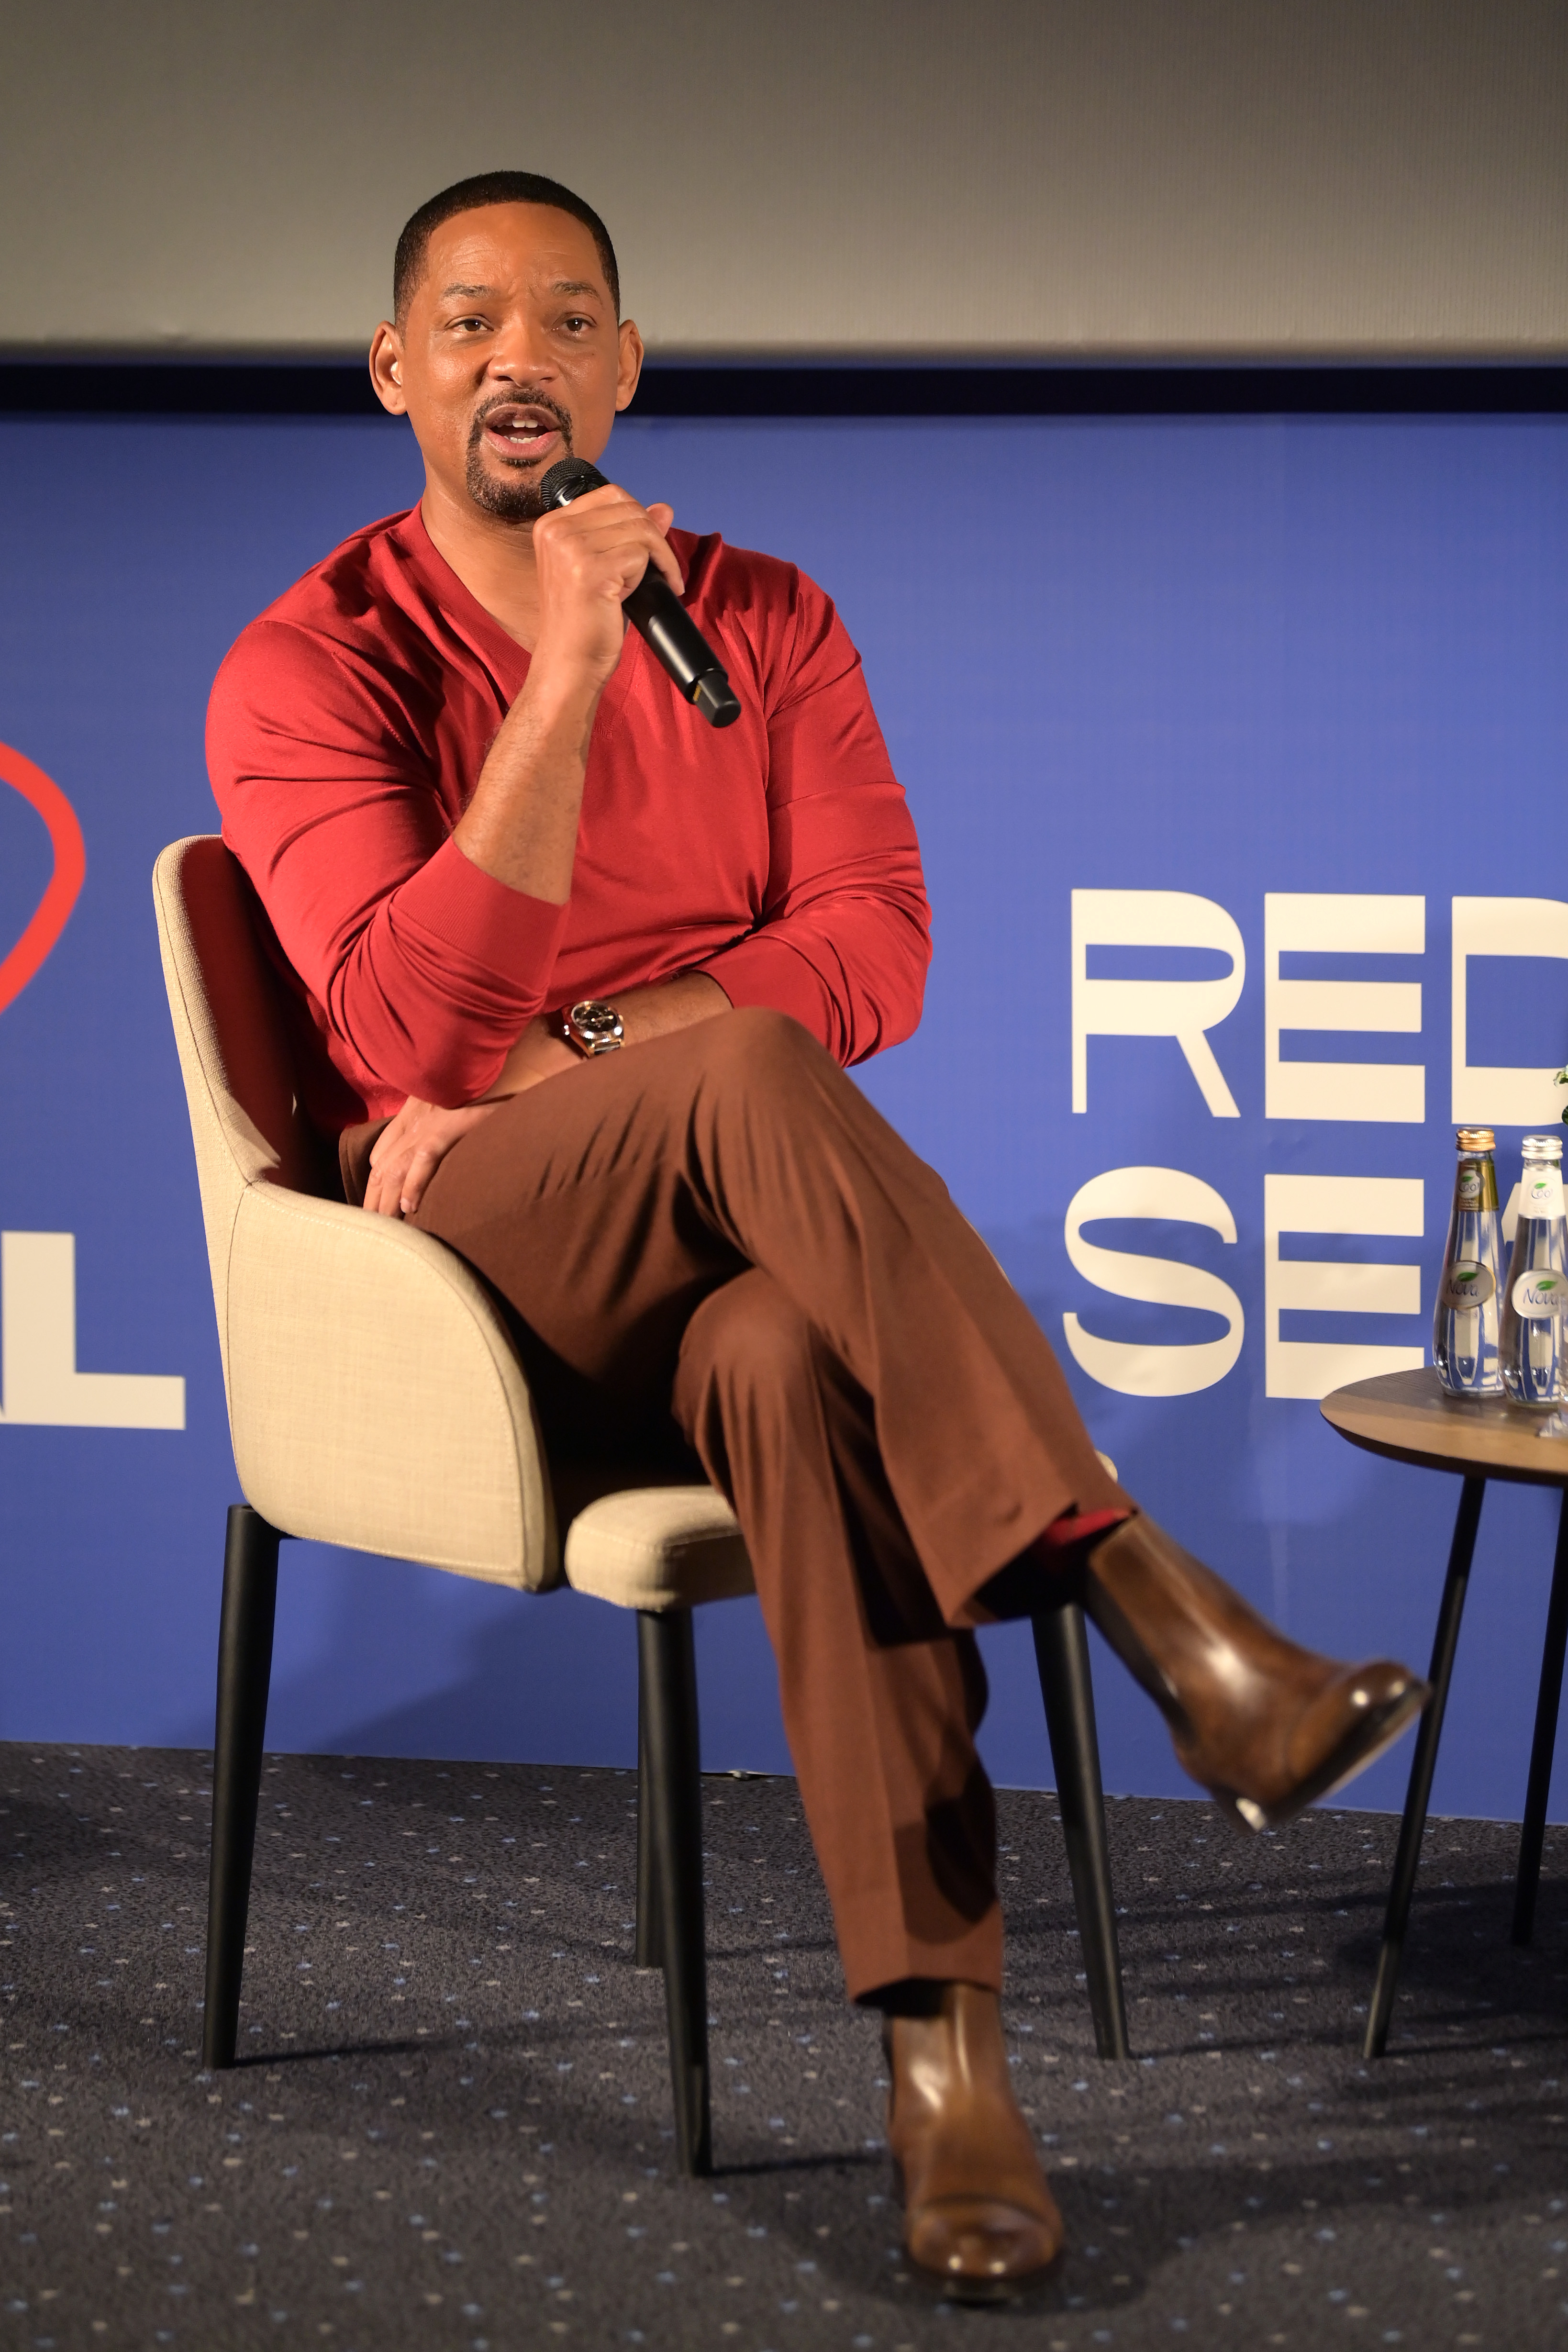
[(761, 971), (504, 930)]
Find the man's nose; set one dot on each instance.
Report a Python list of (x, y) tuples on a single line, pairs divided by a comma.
[(521, 351)]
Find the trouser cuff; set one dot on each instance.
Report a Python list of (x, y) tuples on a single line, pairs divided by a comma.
[(873, 1957)]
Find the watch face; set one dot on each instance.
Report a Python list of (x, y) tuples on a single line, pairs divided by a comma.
[(592, 1019)]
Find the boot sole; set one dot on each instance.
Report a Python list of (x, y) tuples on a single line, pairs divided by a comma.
[(953, 2286), (950, 2288), (982, 2295), (1362, 1744)]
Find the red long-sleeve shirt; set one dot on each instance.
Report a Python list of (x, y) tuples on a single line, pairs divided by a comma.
[(345, 735)]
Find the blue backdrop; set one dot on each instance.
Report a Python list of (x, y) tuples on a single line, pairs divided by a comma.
[(1185, 668)]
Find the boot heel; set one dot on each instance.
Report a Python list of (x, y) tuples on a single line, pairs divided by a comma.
[(1369, 1740), (1242, 1813)]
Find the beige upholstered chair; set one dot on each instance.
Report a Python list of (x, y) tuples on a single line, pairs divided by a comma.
[(376, 1401)]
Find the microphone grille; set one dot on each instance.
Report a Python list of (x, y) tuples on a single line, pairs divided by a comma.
[(567, 480)]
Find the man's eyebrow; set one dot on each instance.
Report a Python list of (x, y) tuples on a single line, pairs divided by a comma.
[(478, 293)]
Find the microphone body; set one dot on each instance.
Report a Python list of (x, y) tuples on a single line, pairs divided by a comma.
[(656, 612)]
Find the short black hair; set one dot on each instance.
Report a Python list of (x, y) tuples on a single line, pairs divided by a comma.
[(492, 188)]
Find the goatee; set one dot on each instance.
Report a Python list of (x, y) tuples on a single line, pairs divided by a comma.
[(517, 499)]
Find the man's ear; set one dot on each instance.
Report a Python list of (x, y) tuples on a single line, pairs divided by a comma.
[(631, 364), (386, 369)]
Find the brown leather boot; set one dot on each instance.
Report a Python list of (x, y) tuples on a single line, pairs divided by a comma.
[(1263, 1724), (977, 2216)]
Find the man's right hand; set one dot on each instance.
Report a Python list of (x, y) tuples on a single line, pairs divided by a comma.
[(590, 556), (522, 825)]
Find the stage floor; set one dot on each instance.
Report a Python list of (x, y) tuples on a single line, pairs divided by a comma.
[(453, 2127)]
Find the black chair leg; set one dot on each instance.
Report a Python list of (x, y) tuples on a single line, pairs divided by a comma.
[(650, 1924), (667, 1678), (1423, 1764), (1533, 1831), (245, 1672), (1062, 1652)]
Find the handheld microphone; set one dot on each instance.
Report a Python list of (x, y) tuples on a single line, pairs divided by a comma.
[(655, 612)]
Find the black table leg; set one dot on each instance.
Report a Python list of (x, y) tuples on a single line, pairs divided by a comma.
[(1407, 1858), (1533, 1831), (1061, 1653)]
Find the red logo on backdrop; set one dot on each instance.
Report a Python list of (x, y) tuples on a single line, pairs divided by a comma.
[(53, 909)]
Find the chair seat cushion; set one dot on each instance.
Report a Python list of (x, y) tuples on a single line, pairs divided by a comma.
[(658, 1548)]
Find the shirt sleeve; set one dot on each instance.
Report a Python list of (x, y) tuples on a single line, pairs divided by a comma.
[(424, 967), (844, 940)]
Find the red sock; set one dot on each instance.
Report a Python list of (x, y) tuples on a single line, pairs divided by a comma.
[(1077, 1527)]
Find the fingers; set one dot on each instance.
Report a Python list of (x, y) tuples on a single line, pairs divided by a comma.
[(409, 1149), (380, 1194), (397, 1187), (420, 1170), (605, 540), (663, 556), (388, 1154), (397, 1128)]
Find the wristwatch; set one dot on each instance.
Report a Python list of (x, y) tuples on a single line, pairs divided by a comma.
[(594, 1027)]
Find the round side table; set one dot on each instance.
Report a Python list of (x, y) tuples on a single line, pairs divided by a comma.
[(1407, 1416)]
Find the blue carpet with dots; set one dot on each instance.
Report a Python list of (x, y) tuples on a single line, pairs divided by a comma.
[(452, 2127)]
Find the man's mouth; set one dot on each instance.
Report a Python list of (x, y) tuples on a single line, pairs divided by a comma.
[(521, 431)]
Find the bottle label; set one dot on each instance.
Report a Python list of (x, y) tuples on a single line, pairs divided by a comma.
[(1464, 1285), (1541, 1192), (1538, 1294), (1476, 1185)]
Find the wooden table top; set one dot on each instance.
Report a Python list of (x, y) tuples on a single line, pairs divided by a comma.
[(1408, 1416)]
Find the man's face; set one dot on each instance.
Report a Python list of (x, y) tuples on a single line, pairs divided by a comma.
[(511, 356)]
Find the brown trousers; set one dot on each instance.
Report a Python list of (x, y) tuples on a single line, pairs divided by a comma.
[(719, 1226)]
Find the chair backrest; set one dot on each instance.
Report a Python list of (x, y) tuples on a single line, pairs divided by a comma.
[(246, 1123), (375, 1397)]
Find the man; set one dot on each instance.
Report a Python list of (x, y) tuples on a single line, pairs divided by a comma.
[(575, 979)]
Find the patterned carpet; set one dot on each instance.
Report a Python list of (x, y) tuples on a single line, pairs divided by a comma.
[(452, 2129)]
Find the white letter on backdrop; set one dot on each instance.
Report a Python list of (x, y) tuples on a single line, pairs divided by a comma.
[(1182, 1009), (1503, 926), (1335, 1204), (1329, 923), (1133, 1369), (38, 1350)]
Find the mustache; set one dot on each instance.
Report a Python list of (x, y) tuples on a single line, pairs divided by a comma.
[(557, 415)]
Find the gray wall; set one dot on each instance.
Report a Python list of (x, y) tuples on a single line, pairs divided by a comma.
[(1158, 177)]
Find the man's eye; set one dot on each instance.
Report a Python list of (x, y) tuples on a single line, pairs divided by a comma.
[(577, 324), (477, 325)]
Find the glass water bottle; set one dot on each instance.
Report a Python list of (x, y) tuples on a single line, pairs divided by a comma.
[(1465, 1324), (1536, 1291)]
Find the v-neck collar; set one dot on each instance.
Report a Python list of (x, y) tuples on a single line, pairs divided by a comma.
[(507, 661)]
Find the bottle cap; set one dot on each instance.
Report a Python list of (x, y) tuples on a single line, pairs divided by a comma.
[(1476, 1138), (1543, 1146)]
